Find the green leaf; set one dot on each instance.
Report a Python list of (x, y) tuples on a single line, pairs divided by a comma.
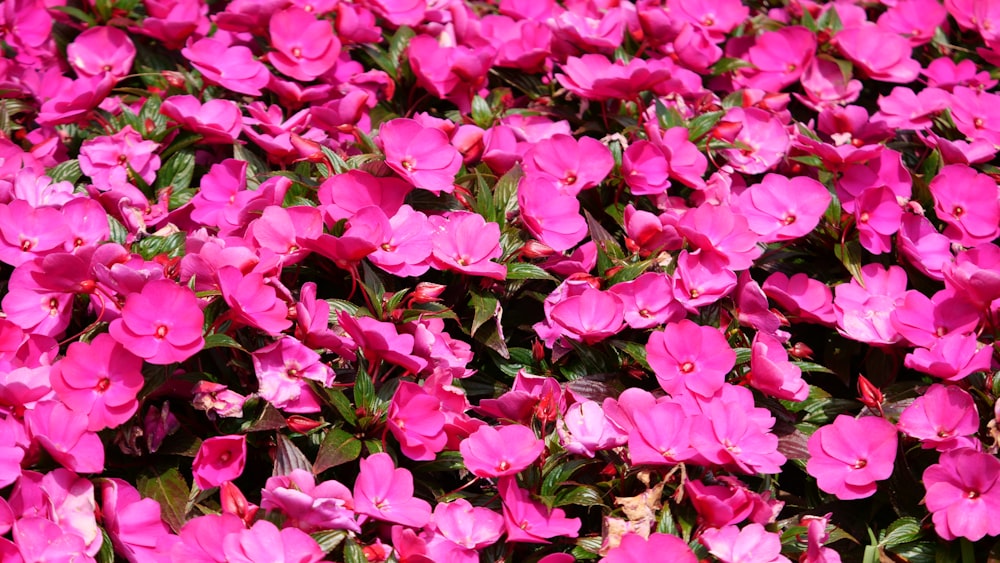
[(65, 171), (152, 246), (581, 496), (485, 307), (328, 540), (343, 405), (167, 487), (849, 255), (76, 13), (630, 271), (556, 476), (807, 367), (666, 523), (176, 172), (482, 113), (364, 391), (729, 64), (338, 447), (400, 41), (490, 336), (289, 457), (353, 553), (743, 355), (339, 166), (527, 271), (904, 530), (634, 350), (219, 340), (669, 117), (830, 20), (107, 552), (269, 419), (505, 193)]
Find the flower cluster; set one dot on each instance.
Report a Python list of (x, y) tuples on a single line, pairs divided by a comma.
[(411, 281)]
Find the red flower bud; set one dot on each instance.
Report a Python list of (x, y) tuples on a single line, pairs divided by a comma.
[(174, 79), (871, 396), (301, 424), (427, 292), (234, 502), (535, 249), (801, 351)]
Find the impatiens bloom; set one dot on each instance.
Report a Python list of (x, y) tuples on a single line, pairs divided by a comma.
[(881, 54), (232, 67), (101, 379), (772, 373), (752, 544), (660, 434), (265, 543), (421, 155), (780, 208), (102, 49), (963, 493), (310, 506), (282, 369), (217, 121), (133, 523), (687, 357), (658, 547), (528, 520), (416, 420), (385, 492), (465, 242), (850, 455), (220, 458), (799, 295), (942, 418), (469, 528), (590, 317), (951, 357), (162, 323), (863, 310), (968, 202), (552, 216), (572, 164), (304, 47), (495, 452)]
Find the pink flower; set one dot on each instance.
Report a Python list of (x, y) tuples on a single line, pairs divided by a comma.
[(423, 156), (573, 164), (529, 521), (304, 47), (265, 543), (465, 242), (942, 418), (687, 357), (752, 544), (232, 67), (99, 50), (64, 435), (133, 523), (882, 55), (283, 367), (722, 236), (495, 452), (217, 121), (253, 302), (863, 311), (309, 506), (780, 208), (658, 547), (772, 373), (963, 494), (101, 379), (660, 434), (220, 458), (762, 139), (780, 57), (380, 340), (850, 455), (951, 357), (385, 493), (469, 527), (649, 300), (810, 300), (416, 420), (552, 216), (162, 323), (594, 77), (968, 202), (590, 317), (107, 159)]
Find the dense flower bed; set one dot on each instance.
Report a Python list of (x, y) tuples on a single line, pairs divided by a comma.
[(398, 280)]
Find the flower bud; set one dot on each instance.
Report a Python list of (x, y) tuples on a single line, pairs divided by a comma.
[(871, 396), (427, 292)]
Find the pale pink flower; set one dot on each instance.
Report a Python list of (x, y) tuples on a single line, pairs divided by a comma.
[(752, 544), (495, 452)]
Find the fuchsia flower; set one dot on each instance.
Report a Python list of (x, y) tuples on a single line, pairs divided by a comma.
[(772, 373), (969, 202), (780, 208), (752, 544), (107, 159), (465, 528), (863, 311), (310, 506), (102, 49), (283, 367), (162, 323), (594, 77), (229, 66), (850, 455), (942, 418), (305, 47), (421, 155), (265, 543), (963, 494), (529, 521), (590, 317), (658, 547), (101, 379), (572, 164), (385, 493), (496, 452), (552, 216), (219, 459), (133, 523), (465, 242), (687, 357), (951, 357), (881, 54), (217, 121), (416, 420)]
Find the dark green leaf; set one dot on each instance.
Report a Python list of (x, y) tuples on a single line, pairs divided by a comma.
[(219, 340), (65, 171), (807, 367), (490, 336), (364, 391), (849, 255), (485, 307), (289, 457), (328, 540), (172, 245), (666, 523), (353, 553), (400, 41), (527, 271), (76, 13), (482, 113), (338, 447), (176, 172), (505, 192), (556, 476), (107, 552), (904, 530), (634, 350), (343, 405), (270, 419), (729, 64), (581, 496), (167, 487)]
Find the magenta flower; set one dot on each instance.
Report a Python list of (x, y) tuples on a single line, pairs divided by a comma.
[(552, 216), (780, 208), (942, 418), (342, 196), (881, 54), (416, 420), (253, 302), (863, 310), (594, 77), (304, 47), (660, 434), (687, 357), (850, 455), (585, 430), (590, 317), (379, 340), (572, 164), (217, 121), (658, 547), (772, 373), (219, 459), (752, 544), (951, 357), (528, 520), (64, 435), (968, 202), (107, 159), (495, 452), (265, 543), (385, 493), (649, 300), (810, 300), (162, 323), (102, 49), (470, 527), (282, 369), (101, 379), (232, 67), (963, 494), (309, 506), (465, 242), (423, 156), (133, 523)]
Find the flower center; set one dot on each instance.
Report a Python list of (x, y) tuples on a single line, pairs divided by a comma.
[(860, 464), (102, 385), (958, 211), (687, 367), (297, 53), (408, 163), (161, 332)]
